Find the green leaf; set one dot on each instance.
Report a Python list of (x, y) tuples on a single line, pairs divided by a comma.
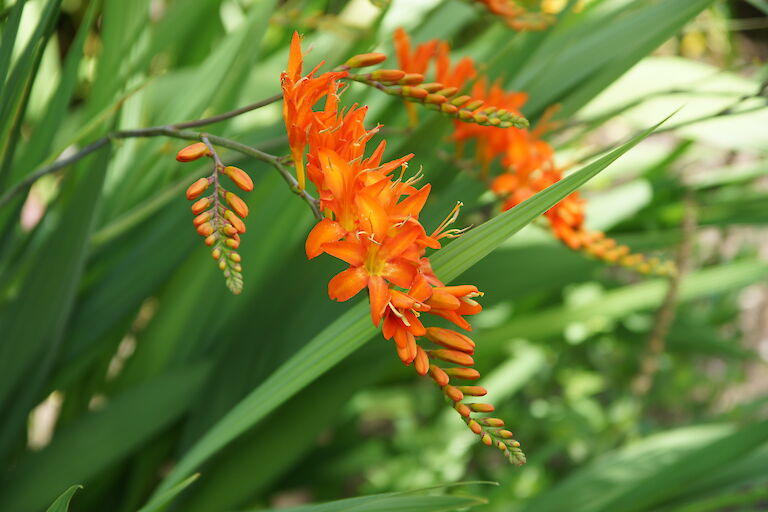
[(101, 438), (62, 502), (170, 494), (354, 328)]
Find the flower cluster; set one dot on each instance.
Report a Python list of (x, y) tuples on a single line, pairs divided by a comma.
[(518, 16), (528, 160), (371, 222), (218, 216)]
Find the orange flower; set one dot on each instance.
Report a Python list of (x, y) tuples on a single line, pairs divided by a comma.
[(300, 94)]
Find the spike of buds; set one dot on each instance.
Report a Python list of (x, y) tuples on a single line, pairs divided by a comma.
[(239, 177), (364, 60), (237, 204), (192, 152), (197, 188)]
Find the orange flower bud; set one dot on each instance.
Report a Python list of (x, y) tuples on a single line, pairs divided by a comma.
[(473, 390), (193, 152), (482, 407), (197, 188), (460, 100), (492, 422), (448, 91), (216, 253), (473, 105), (201, 205), (229, 230), (452, 356), (486, 439), (474, 427), (365, 59), (438, 375), (387, 75), (237, 204), (480, 118), (232, 243), (205, 229), (415, 92), (435, 99), (235, 257), (463, 373), (210, 240), (451, 339), (233, 219), (453, 393), (501, 446), (448, 108), (432, 87), (411, 79), (222, 264), (506, 434), (203, 217), (421, 362), (462, 409), (239, 177)]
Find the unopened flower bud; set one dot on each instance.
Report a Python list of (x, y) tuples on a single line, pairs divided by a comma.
[(365, 59), (452, 356), (216, 253), (460, 100), (197, 188), (438, 375), (203, 217), (232, 243), (474, 426), (192, 152), (235, 257), (451, 339), (473, 390), (201, 205), (239, 177), (210, 240), (414, 92), (387, 75), (482, 407), (233, 219), (222, 264), (205, 229), (473, 105), (411, 79), (463, 373), (462, 409), (452, 393), (492, 422), (432, 87), (435, 99), (237, 204)]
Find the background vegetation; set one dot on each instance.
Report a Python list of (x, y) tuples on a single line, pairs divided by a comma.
[(127, 367)]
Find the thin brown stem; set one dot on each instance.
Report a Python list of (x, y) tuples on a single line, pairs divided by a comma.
[(666, 313), (228, 115)]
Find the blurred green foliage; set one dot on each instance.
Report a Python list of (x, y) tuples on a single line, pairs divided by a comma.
[(127, 367)]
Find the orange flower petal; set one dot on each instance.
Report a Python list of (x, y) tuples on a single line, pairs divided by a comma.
[(400, 273), (324, 231), (347, 284), (351, 252), (378, 293)]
